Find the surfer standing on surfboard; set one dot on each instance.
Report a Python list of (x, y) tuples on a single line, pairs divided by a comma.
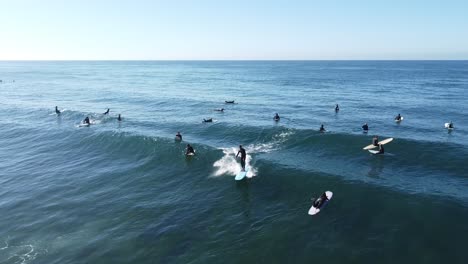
[(243, 156)]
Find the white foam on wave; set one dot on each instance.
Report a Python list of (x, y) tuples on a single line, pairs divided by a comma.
[(229, 165), (18, 253)]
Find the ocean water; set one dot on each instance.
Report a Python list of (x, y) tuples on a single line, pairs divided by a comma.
[(123, 192)]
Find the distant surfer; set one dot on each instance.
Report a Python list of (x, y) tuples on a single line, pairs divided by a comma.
[(106, 112), (322, 129), (277, 117), (398, 117), (57, 111), (321, 200), (119, 118), (381, 149), (375, 141), (190, 150), (178, 136), (209, 120), (229, 102), (220, 109), (337, 108), (365, 127), (86, 121), (243, 156), (450, 125)]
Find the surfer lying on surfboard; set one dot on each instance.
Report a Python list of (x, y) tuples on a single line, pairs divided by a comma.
[(398, 117), (319, 202)]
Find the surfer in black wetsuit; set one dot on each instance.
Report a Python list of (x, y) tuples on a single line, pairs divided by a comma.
[(57, 111), (277, 117), (119, 118), (209, 120), (322, 129), (86, 121), (450, 125), (189, 150), (365, 127), (178, 136), (220, 109), (398, 117), (322, 199), (243, 156), (337, 108), (106, 112), (229, 102), (375, 141)]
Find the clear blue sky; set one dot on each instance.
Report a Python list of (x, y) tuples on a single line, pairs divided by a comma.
[(237, 29)]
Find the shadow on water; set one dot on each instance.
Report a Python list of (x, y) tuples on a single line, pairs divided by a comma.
[(244, 187)]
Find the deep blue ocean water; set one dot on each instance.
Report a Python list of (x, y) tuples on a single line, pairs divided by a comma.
[(123, 192)]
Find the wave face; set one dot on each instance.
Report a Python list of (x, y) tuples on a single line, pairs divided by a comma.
[(124, 192)]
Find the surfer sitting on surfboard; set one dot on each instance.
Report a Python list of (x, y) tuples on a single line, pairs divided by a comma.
[(243, 156), (119, 118), (86, 121), (398, 117), (190, 150), (322, 129), (337, 108), (57, 111), (450, 125), (375, 141), (319, 202), (277, 117), (178, 136), (365, 127)]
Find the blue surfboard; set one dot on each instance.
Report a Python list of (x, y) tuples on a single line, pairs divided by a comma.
[(241, 175)]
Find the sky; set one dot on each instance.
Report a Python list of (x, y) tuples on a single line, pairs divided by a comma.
[(233, 30)]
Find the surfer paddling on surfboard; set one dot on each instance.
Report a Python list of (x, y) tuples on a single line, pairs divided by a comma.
[(243, 156), (319, 202)]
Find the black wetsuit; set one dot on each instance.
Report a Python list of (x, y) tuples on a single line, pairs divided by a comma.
[(86, 120), (190, 150), (243, 157), (57, 111), (375, 141), (105, 113), (365, 127), (381, 149), (179, 137)]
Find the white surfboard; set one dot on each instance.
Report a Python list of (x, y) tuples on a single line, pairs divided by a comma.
[(399, 120), (383, 142), (241, 175), (313, 210), (373, 152)]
